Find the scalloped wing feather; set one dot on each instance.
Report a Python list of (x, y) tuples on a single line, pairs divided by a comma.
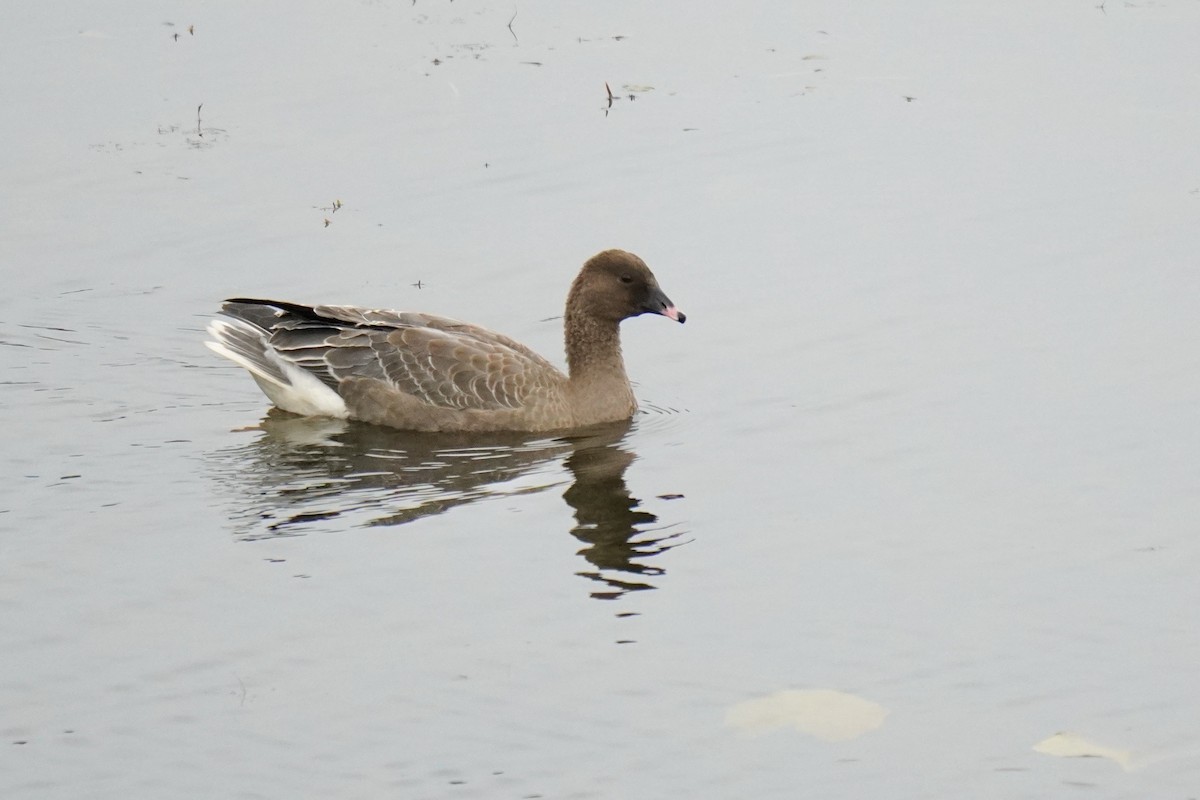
[(439, 361)]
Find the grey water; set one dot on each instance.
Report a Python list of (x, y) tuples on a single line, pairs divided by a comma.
[(909, 511)]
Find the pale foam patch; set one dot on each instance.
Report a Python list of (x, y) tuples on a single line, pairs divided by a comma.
[(1072, 745), (1067, 744), (826, 714)]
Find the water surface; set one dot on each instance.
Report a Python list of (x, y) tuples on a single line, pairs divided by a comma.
[(911, 511)]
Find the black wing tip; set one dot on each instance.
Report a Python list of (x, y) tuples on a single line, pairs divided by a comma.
[(306, 312)]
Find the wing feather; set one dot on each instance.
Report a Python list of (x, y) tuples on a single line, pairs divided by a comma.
[(437, 360)]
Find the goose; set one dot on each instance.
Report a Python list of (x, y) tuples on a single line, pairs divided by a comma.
[(422, 372)]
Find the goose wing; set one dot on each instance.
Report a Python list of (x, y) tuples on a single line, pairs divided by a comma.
[(437, 360)]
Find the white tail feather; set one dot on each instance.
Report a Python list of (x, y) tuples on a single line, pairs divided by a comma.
[(299, 392)]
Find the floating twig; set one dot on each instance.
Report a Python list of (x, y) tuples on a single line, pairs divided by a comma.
[(199, 132), (510, 28)]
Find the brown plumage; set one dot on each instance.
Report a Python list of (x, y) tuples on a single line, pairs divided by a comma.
[(423, 372)]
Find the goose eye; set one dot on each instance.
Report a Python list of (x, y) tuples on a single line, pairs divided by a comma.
[(626, 279)]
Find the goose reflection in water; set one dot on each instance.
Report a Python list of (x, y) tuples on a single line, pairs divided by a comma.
[(301, 473)]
